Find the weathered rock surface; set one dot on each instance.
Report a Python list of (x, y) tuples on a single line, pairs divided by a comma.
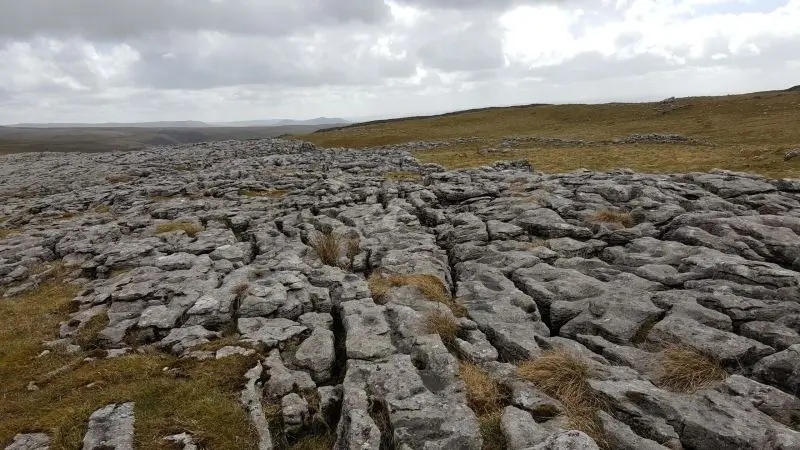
[(110, 427), (614, 265)]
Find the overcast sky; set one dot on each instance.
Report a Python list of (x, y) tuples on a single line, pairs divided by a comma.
[(221, 60)]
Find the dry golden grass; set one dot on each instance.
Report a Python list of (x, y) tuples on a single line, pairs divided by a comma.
[(429, 285), (203, 402), (6, 232), (353, 249), (487, 398), (403, 176), (752, 133), (328, 246), (269, 193), (484, 394), (443, 324), (685, 369), (534, 243), (564, 375), (609, 216), (187, 227)]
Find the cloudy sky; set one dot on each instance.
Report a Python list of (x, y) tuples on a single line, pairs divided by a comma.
[(221, 60)]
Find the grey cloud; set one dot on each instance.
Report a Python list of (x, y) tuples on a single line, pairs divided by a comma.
[(493, 5), (476, 47), (269, 62), (117, 19)]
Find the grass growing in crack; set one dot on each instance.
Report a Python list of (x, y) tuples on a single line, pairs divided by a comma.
[(685, 369), (609, 216), (564, 375), (535, 243), (267, 193), (6, 232), (487, 398), (429, 285), (101, 209), (189, 228), (323, 442), (443, 324), (492, 432), (327, 246), (353, 248), (403, 176), (88, 335), (204, 402)]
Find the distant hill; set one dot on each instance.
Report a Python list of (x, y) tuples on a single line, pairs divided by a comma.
[(191, 124), (176, 124), (794, 88), (282, 122), (102, 139)]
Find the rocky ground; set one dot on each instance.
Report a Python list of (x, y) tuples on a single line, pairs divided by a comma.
[(383, 286)]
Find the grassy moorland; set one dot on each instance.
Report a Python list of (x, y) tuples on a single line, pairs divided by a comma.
[(750, 133)]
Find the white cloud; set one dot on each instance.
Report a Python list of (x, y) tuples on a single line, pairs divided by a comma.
[(246, 59)]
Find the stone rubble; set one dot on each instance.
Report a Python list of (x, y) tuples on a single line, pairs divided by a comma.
[(708, 260)]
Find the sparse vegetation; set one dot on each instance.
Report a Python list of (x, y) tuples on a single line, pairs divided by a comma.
[(492, 432), (353, 249), (429, 285), (403, 176), (101, 209), (609, 216), (564, 375), (538, 243), (87, 335), (68, 215), (189, 228), (756, 144), (685, 369), (269, 193), (443, 324), (328, 246), (487, 398), (6, 232), (323, 442), (203, 402)]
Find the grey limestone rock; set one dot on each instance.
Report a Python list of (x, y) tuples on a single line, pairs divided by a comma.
[(110, 427)]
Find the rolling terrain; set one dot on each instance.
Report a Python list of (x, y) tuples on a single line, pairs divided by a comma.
[(103, 139), (749, 132)]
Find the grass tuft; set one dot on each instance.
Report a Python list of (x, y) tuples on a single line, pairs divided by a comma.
[(484, 394), (685, 369), (328, 246), (564, 375), (492, 431), (189, 228), (429, 285), (403, 176), (101, 209), (323, 442), (6, 232), (443, 324), (608, 216), (487, 398), (88, 335)]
